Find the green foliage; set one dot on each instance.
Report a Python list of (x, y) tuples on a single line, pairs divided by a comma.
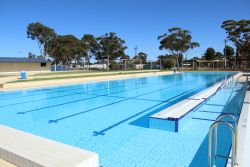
[(219, 55), (229, 52), (42, 34), (111, 47), (178, 41), (239, 33), (210, 54), (141, 58), (114, 65), (31, 55), (125, 57), (91, 46), (167, 61), (66, 48)]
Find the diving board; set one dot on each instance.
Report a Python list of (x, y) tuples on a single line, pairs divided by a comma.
[(26, 150), (168, 119)]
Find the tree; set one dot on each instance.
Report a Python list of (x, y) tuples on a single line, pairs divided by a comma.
[(210, 54), (219, 55), (229, 52), (167, 61), (141, 58), (42, 34), (91, 45), (31, 55), (111, 47), (239, 33), (178, 41), (66, 48)]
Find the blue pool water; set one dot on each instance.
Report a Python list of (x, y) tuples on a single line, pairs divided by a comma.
[(111, 118)]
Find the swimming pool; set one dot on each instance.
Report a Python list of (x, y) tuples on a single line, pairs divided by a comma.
[(111, 118)]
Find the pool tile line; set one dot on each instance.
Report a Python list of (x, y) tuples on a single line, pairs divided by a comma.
[(104, 88), (104, 95), (170, 100), (56, 120), (73, 93), (58, 91)]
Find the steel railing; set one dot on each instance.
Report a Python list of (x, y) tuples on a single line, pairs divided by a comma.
[(234, 131)]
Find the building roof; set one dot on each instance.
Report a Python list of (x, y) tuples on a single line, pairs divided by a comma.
[(24, 60), (209, 61)]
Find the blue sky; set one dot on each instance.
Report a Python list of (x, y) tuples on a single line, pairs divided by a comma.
[(138, 22)]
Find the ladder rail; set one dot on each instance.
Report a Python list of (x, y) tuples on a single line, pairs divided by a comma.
[(215, 124), (236, 129)]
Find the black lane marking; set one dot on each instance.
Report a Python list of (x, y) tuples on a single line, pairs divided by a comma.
[(209, 111), (52, 89), (169, 100), (56, 120), (56, 91), (80, 100), (72, 94), (102, 132), (204, 119)]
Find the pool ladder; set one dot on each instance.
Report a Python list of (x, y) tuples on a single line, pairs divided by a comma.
[(234, 140)]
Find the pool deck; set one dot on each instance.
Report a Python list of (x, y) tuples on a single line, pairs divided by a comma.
[(243, 151), (26, 150)]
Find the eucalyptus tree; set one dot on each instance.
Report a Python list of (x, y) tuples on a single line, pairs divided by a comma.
[(141, 58), (210, 54), (42, 34), (111, 47), (229, 52), (219, 55), (167, 61), (91, 46), (239, 33), (65, 48), (177, 42)]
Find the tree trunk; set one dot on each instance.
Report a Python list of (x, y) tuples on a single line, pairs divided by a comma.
[(177, 61)]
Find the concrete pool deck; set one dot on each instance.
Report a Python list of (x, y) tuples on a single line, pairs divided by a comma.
[(59, 82), (243, 152), (26, 150)]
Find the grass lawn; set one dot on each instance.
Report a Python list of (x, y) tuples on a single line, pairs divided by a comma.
[(68, 76)]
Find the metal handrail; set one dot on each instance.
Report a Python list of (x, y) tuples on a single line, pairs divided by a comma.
[(215, 124), (236, 130)]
